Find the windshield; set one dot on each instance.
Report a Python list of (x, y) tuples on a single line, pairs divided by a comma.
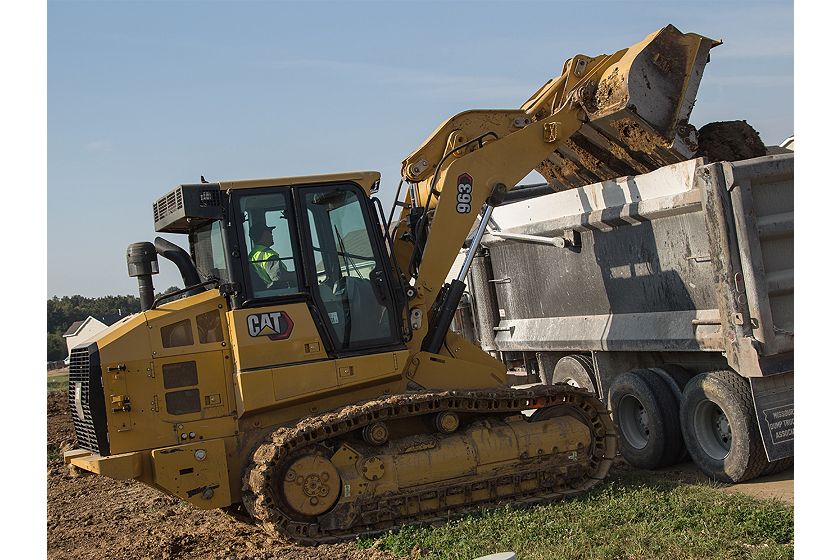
[(208, 252)]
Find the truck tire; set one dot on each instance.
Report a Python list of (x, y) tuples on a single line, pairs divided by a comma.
[(576, 370), (677, 378), (646, 414), (679, 374), (719, 427)]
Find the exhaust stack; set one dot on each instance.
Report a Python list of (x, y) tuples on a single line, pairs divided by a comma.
[(142, 264)]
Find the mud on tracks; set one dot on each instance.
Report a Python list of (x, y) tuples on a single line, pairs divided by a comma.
[(93, 517)]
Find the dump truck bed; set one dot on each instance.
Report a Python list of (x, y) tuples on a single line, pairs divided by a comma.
[(690, 257)]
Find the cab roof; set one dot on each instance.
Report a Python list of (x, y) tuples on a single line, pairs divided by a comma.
[(365, 179)]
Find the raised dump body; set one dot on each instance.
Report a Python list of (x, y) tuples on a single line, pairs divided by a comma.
[(682, 271)]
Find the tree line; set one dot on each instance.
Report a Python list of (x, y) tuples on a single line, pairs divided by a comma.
[(66, 310)]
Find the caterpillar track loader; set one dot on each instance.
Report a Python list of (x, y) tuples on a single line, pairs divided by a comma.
[(307, 376)]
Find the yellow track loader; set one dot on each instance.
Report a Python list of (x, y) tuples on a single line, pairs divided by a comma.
[(306, 375)]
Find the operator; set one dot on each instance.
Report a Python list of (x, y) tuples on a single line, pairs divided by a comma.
[(266, 261)]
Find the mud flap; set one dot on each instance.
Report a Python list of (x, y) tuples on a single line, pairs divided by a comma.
[(773, 399)]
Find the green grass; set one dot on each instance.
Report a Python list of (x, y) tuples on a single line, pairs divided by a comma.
[(57, 383), (632, 515), (53, 453)]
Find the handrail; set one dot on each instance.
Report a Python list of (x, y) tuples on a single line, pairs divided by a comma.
[(171, 295)]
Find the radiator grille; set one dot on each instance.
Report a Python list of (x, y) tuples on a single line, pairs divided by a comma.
[(87, 400)]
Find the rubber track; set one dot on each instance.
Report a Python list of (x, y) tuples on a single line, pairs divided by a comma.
[(268, 458)]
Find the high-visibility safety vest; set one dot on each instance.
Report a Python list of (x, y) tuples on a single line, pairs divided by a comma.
[(259, 258)]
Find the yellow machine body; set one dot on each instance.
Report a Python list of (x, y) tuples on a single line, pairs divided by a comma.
[(200, 394)]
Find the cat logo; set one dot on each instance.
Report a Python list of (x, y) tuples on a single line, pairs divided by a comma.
[(276, 325)]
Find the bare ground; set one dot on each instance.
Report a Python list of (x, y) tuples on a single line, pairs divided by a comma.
[(93, 517), (775, 486)]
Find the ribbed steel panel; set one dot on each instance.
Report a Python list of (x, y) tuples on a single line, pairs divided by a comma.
[(87, 401)]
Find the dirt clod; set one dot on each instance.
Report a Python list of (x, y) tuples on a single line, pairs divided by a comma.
[(729, 141)]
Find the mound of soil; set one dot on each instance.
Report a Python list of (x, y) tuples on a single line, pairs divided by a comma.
[(93, 517), (729, 141)]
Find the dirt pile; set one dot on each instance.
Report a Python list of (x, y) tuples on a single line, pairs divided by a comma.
[(729, 141), (93, 517)]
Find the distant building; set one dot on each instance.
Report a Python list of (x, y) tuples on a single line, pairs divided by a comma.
[(84, 330)]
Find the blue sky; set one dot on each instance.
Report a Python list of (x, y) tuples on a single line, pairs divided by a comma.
[(145, 95)]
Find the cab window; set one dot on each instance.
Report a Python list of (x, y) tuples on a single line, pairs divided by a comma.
[(269, 256), (350, 277), (208, 252)]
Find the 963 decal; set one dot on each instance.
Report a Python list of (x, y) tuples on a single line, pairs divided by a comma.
[(464, 193)]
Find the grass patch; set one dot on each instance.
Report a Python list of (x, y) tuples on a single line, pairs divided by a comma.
[(53, 453), (632, 515), (58, 383)]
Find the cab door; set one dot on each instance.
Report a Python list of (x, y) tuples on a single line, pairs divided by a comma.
[(328, 320), (280, 353), (348, 276)]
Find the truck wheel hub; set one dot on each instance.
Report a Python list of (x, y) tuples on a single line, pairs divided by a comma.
[(712, 429)]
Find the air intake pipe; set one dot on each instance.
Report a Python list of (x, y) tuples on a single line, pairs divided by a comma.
[(142, 264), (182, 260)]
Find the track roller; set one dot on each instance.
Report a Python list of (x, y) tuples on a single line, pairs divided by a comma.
[(447, 422)]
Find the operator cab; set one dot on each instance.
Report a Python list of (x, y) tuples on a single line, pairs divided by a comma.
[(268, 242)]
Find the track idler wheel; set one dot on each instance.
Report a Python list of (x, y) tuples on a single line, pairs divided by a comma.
[(311, 485)]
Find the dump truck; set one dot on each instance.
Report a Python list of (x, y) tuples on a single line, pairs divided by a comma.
[(308, 377), (667, 294)]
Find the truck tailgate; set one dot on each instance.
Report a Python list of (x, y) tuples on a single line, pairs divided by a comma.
[(751, 202)]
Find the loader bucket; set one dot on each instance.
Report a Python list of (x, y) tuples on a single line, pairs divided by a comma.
[(636, 103)]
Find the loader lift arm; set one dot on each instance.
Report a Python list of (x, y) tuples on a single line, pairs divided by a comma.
[(601, 118)]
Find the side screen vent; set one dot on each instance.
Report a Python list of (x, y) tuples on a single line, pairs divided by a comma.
[(169, 204), (181, 374), (183, 402)]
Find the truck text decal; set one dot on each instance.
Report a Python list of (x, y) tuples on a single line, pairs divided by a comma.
[(780, 421)]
